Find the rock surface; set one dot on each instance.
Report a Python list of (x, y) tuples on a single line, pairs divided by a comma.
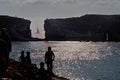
[(24, 72), (90, 27)]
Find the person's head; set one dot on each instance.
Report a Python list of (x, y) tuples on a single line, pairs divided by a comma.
[(49, 48), (42, 65), (22, 52), (28, 53)]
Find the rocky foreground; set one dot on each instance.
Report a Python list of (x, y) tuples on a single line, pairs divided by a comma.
[(19, 71)]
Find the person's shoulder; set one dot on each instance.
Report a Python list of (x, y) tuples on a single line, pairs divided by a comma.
[(46, 52), (52, 52)]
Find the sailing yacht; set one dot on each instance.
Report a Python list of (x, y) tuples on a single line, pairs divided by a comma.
[(37, 32)]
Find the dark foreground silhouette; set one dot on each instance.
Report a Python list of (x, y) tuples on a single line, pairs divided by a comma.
[(43, 73), (22, 57), (23, 70), (27, 58), (3, 57), (5, 49), (16, 71)]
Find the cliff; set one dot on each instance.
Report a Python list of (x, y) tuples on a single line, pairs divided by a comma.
[(89, 27), (18, 28)]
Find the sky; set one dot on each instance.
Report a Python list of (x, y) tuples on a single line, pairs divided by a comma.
[(39, 10)]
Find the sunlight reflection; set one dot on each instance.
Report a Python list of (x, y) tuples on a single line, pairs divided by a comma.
[(76, 60)]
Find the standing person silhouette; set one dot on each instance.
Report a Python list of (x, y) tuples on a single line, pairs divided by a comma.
[(49, 58), (5, 36), (3, 57)]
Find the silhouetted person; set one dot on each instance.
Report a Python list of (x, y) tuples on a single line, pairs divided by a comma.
[(5, 36), (42, 71), (27, 58), (49, 58), (3, 57), (43, 75), (22, 57)]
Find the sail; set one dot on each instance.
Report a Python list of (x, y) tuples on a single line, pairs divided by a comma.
[(37, 32)]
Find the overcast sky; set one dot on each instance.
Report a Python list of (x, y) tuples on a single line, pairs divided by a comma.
[(38, 10)]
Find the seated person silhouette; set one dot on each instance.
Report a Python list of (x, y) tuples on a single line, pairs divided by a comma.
[(42, 72), (27, 58), (49, 58), (22, 57)]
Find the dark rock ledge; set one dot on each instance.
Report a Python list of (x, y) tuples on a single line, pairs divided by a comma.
[(15, 69)]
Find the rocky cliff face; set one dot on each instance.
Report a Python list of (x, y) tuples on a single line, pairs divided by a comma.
[(18, 28), (86, 28)]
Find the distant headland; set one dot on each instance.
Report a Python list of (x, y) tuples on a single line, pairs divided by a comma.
[(89, 27), (18, 28)]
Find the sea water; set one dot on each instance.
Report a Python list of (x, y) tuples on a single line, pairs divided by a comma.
[(76, 60)]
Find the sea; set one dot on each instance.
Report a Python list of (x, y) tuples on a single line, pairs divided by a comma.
[(75, 60)]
